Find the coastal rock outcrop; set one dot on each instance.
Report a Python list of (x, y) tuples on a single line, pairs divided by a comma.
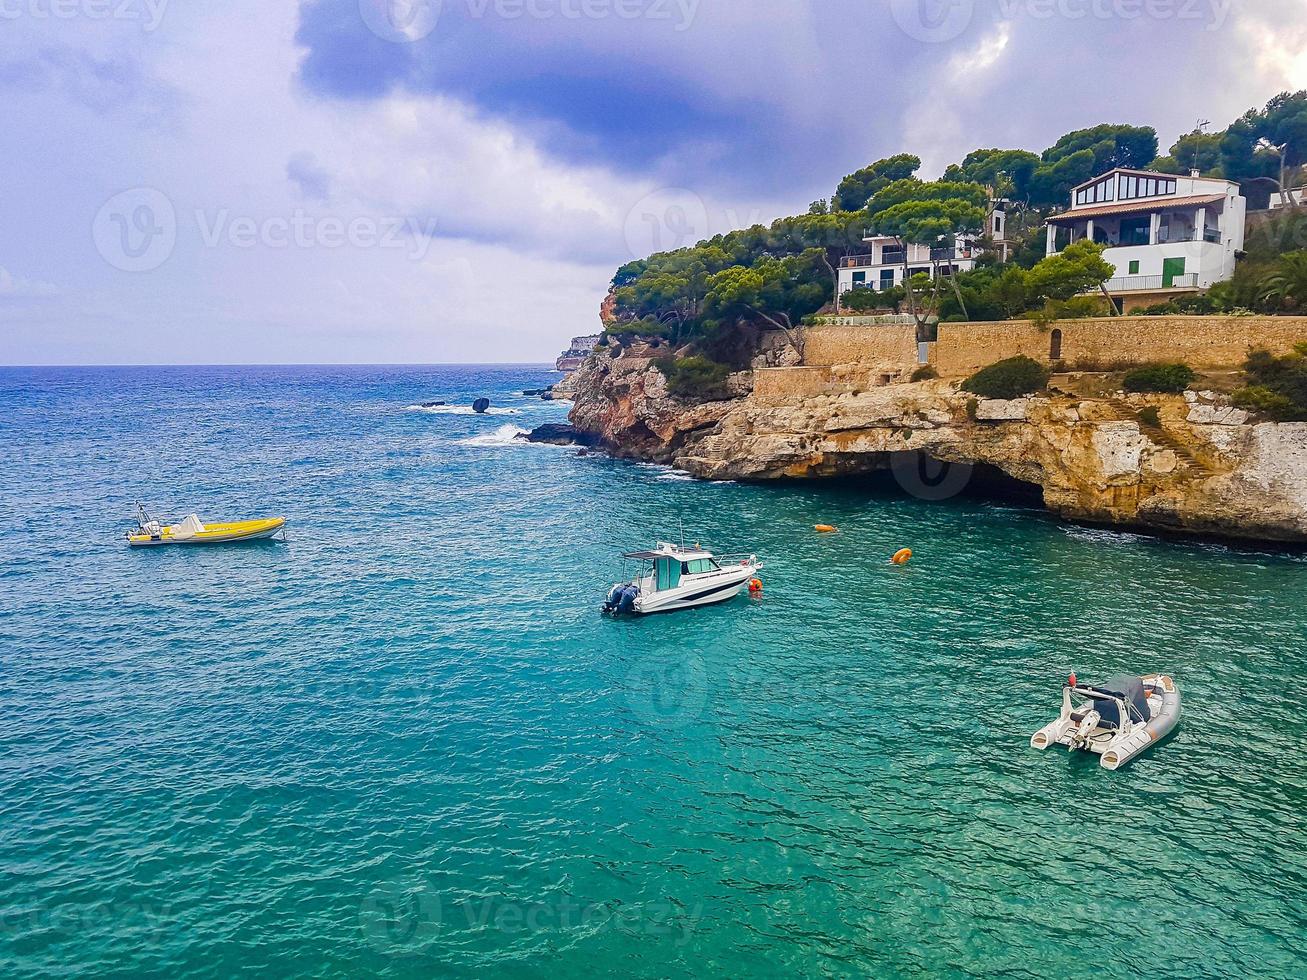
[(1204, 469)]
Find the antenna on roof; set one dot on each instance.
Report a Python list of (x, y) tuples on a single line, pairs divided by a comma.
[(1196, 171), (681, 518)]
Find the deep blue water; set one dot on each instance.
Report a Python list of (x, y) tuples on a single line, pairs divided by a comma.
[(405, 743)]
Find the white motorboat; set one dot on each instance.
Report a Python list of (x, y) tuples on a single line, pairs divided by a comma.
[(1117, 720), (672, 578)]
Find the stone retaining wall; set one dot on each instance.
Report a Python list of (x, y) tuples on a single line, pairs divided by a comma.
[(964, 348)]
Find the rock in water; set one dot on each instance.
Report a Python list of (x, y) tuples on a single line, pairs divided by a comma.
[(556, 434), (432, 404), (481, 406)]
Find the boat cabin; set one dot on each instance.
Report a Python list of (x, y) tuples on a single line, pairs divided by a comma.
[(663, 568)]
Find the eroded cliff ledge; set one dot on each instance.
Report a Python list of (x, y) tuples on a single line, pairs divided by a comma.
[(1206, 469)]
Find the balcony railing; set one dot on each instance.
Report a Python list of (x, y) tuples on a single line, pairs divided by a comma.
[(895, 256), (1131, 284), (948, 254)]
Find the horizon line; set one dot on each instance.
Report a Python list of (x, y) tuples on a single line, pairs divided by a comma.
[(270, 364)]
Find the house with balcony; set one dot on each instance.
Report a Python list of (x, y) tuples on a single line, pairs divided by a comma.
[(882, 265), (1166, 235)]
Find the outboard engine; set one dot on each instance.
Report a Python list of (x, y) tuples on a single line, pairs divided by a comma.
[(627, 603), (1081, 735), (614, 597)]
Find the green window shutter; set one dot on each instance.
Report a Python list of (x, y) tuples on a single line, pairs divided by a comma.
[(1134, 267)]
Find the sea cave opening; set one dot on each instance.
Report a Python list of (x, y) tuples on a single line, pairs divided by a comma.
[(920, 475)]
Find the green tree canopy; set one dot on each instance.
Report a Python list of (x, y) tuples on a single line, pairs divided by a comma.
[(1193, 150), (990, 167), (1259, 145), (857, 188), (1085, 153), (1078, 268)]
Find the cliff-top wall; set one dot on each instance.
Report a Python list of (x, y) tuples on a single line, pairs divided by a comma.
[(1201, 341)]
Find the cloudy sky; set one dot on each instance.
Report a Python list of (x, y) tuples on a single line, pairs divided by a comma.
[(391, 181)]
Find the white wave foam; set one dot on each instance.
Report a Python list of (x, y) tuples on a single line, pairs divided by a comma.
[(505, 435), (459, 410), (677, 475), (1102, 535)]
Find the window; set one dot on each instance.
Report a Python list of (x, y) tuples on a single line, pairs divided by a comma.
[(859, 278), (1134, 267), (998, 224), (1055, 346), (699, 566), (886, 278), (1135, 230), (1133, 185)]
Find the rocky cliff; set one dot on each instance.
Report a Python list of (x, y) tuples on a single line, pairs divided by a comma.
[(1205, 469)]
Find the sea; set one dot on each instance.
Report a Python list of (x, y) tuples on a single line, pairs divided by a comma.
[(406, 743)]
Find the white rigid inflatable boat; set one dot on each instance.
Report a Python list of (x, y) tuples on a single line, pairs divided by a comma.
[(1118, 719)]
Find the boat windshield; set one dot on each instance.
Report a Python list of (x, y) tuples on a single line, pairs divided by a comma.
[(698, 566)]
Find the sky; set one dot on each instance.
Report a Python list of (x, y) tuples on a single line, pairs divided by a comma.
[(439, 181)]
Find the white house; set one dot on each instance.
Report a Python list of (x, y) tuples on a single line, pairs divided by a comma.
[(882, 266), (1297, 198), (1166, 235)]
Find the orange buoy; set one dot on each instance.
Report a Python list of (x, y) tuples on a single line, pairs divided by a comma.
[(755, 585), (826, 529), (902, 557)]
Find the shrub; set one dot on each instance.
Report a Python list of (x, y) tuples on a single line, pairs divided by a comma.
[(1010, 378), (863, 301), (925, 373), (1263, 401), (973, 408), (1098, 365), (1150, 416), (1168, 378), (1075, 308), (694, 377), (1277, 385), (1157, 309)]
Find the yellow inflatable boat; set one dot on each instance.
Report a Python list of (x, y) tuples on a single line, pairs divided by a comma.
[(150, 532)]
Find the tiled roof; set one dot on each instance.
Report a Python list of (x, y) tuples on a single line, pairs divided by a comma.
[(1134, 207)]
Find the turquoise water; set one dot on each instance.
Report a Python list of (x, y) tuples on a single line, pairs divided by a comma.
[(406, 744)]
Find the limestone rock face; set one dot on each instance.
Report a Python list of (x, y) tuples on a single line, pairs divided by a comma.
[(624, 402), (1205, 471)]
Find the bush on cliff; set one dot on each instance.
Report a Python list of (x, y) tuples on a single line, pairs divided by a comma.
[(695, 378), (1010, 378), (1277, 385), (1165, 378)]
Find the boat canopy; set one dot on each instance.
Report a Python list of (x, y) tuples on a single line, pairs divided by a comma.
[(1130, 690), (670, 551)]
